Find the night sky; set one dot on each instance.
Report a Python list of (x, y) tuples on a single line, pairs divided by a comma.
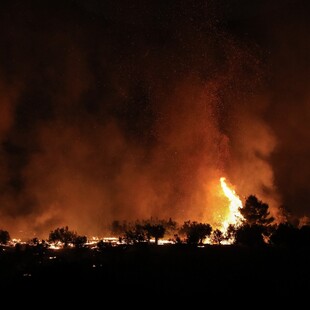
[(134, 109)]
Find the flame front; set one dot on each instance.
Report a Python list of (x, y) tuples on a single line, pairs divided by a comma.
[(234, 217)]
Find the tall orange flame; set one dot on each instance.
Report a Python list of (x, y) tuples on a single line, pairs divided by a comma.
[(234, 216)]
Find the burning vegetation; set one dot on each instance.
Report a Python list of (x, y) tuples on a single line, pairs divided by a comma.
[(250, 224), (129, 129), (155, 250), (120, 123)]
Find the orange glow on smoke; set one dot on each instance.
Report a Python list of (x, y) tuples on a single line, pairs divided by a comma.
[(234, 216)]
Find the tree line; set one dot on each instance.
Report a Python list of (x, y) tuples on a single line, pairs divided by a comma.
[(258, 228)]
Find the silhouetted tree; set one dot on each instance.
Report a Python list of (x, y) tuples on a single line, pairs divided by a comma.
[(63, 235), (285, 234), (230, 234), (134, 235), (195, 232), (176, 239), (79, 241), (217, 236), (157, 231), (34, 241), (250, 235), (257, 222), (170, 226), (143, 230), (256, 212), (18, 247), (4, 236)]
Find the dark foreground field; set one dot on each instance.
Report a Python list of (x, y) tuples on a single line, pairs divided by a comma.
[(160, 271)]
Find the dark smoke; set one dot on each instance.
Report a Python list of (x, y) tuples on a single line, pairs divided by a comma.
[(125, 111)]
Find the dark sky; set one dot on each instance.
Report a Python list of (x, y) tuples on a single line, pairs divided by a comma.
[(132, 109)]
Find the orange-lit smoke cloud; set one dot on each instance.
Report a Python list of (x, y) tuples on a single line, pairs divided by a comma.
[(128, 119)]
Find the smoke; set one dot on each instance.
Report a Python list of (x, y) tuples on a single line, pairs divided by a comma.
[(128, 116), (290, 114)]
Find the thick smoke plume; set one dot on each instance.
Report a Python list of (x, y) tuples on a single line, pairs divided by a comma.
[(135, 111)]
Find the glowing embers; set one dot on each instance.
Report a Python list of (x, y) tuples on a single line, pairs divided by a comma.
[(234, 216)]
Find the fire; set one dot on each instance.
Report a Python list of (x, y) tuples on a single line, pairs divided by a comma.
[(234, 217)]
